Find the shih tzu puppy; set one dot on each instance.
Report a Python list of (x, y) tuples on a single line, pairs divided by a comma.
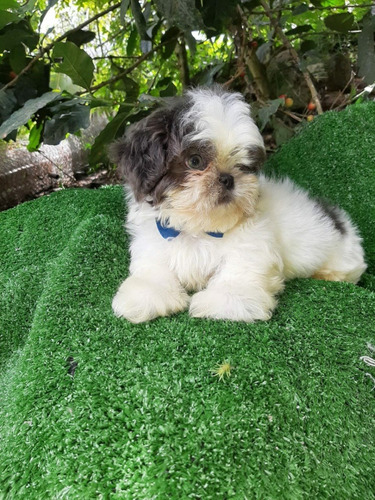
[(203, 219)]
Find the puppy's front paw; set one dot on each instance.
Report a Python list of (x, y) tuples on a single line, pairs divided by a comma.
[(221, 305), (140, 300)]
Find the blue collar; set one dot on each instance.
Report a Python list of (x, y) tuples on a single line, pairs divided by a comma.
[(169, 233)]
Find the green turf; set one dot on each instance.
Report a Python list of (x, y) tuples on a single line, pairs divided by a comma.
[(94, 407)]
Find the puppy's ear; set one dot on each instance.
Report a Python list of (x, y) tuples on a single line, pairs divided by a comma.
[(142, 153), (258, 156)]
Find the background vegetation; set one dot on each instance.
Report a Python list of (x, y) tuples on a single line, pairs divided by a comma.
[(60, 61)]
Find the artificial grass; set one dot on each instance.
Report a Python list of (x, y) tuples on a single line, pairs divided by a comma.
[(334, 157), (95, 407)]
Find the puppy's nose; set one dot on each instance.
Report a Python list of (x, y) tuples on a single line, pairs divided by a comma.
[(227, 180)]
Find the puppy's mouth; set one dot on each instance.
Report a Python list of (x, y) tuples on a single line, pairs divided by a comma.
[(225, 197)]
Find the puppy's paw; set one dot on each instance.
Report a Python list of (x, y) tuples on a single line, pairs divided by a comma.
[(140, 300), (220, 305)]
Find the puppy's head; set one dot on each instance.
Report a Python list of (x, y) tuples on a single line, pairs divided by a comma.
[(196, 160)]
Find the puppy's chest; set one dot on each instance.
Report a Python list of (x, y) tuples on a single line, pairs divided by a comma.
[(194, 260)]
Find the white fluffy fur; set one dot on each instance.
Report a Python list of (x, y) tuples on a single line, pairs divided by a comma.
[(238, 276), (223, 119)]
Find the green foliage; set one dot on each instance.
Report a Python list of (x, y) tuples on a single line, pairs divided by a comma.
[(23, 115), (115, 128), (67, 116), (181, 13), (141, 25), (267, 111), (81, 37), (7, 17), (76, 63), (119, 57), (340, 22)]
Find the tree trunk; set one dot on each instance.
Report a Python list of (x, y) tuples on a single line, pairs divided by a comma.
[(25, 175)]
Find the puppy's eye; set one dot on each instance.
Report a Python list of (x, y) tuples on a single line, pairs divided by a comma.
[(196, 162), (247, 169)]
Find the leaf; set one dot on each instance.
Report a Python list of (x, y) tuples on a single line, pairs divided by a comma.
[(170, 35), (131, 88), (17, 58), (123, 9), (331, 3), (77, 64), (140, 23), (34, 83), (301, 9), (76, 117), (8, 102), (168, 49), (60, 81), (268, 111), (263, 51), (81, 36), (169, 91), (339, 22), (366, 51), (181, 13), (35, 137), (7, 17), (132, 42), (216, 14), (114, 129), (149, 100), (15, 35), (299, 29), (251, 4), (9, 4), (191, 41), (207, 76), (95, 102), (66, 105), (23, 115), (170, 40), (281, 133), (308, 45)]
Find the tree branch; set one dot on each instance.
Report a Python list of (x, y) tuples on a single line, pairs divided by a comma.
[(249, 59), (48, 47), (293, 53), (321, 7), (110, 56)]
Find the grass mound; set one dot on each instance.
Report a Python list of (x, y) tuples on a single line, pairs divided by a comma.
[(95, 407)]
